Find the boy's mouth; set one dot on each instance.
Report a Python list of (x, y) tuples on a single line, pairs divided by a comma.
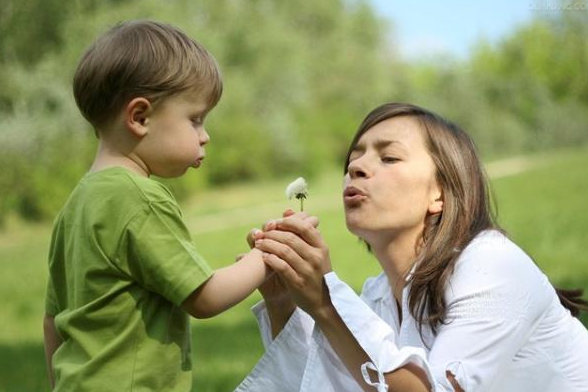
[(198, 162)]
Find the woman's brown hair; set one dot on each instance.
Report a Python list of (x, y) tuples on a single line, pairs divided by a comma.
[(466, 210)]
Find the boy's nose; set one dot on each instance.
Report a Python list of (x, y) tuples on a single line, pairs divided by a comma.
[(204, 137)]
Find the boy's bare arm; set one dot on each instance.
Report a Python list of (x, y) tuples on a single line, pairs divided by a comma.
[(227, 286), (52, 342)]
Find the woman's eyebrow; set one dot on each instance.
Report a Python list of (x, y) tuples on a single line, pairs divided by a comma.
[(358, 147), (380, 144)]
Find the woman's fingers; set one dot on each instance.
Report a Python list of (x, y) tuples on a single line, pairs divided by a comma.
[(283, 269), (313, 220), (303, 228), (293, 241), (307, 291), (285, 253), (289, 214)]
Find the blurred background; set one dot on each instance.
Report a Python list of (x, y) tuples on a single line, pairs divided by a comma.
[(299, 77)]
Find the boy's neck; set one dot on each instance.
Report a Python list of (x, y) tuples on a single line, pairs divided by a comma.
[(107, 156)]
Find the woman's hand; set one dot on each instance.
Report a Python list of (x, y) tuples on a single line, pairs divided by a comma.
[(295, 249), (272, 290), (277, 298)]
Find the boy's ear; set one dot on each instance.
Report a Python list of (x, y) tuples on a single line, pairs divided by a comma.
[(136, 116)]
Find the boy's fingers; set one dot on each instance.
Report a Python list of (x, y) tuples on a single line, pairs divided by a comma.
[(252, 236), (288, 213)]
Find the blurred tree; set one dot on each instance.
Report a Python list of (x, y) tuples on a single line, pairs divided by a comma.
[(29, 29), (299, 77), (538, 76)]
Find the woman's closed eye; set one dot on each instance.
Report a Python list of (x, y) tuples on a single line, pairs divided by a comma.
[(389, 159)]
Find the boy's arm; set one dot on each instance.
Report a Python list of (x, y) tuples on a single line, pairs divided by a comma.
[(227, 286), (52, 342)]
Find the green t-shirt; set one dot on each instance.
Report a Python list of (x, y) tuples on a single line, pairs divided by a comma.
[(121, 262)]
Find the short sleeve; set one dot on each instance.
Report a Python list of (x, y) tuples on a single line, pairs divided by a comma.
[(160, 254)]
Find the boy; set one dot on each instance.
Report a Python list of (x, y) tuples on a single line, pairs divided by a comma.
[(123, 270)]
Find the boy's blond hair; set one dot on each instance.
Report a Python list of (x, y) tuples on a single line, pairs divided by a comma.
[(142, 59)]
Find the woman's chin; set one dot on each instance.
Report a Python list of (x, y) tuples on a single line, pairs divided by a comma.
[(355, 227)]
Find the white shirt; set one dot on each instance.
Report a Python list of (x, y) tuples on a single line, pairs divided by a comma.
[(506, 332)]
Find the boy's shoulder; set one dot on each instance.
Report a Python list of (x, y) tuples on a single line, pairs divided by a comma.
[(116, 190), (117, 177), (120, 182)]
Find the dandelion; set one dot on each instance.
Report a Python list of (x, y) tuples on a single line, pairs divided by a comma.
[(297, 189)]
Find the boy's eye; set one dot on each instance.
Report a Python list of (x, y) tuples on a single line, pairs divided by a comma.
[(197, 121)]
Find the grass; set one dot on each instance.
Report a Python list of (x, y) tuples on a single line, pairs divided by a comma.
[(543, 210)]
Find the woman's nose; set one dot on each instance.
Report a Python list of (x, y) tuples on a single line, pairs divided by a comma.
[(356, 169)]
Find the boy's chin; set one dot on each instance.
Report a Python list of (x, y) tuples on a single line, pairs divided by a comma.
[(172, 174)]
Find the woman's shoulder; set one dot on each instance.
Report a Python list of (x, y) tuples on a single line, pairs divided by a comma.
[(493, 265), (493, 250)]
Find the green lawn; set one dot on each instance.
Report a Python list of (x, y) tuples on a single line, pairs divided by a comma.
[(543, 210)]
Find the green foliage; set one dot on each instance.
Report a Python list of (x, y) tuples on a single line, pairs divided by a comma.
[(287, 79), (23, 44), (537, 77), (299, 77)]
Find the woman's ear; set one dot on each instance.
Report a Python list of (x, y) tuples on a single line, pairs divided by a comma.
[(436, 204), (137, 115)]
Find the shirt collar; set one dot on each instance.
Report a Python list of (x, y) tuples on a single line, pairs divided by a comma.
[(378, 288)]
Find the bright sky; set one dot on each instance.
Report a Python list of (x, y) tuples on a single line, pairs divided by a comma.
[(424, 27)]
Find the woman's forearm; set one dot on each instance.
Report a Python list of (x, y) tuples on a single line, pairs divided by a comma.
[(409, 378), (279, 313), (343, 343)]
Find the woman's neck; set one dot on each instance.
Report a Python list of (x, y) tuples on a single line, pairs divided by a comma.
[(397, 256)]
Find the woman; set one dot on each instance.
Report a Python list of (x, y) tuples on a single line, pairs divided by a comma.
[(458, 306)]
